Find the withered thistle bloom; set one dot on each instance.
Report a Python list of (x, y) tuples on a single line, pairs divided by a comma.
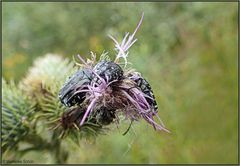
[(103, 89)]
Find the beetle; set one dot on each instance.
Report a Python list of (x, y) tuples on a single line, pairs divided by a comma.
[(108, 70), (145, 87), (78, 81), (105, 115)]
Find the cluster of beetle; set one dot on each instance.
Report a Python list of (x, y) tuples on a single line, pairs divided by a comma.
[(100, 90), (110, 72)]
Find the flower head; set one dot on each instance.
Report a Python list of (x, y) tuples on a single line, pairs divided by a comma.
[(109, 90)]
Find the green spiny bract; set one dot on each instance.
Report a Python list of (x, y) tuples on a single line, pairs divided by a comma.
[(17, 115)]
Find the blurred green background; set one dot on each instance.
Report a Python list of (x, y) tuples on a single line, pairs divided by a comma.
[(187, 51)]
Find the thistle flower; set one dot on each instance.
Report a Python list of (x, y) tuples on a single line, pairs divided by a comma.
[(104, 89)]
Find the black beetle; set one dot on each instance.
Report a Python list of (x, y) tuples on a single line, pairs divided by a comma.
[(105, 115), (145, 87), (108, 70), (78, 81)]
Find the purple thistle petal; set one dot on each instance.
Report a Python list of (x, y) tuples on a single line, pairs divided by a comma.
[(132, 36), (123, 47), (89, 109), (157, 125), (159, 119), (140, 97), (137, 98), (118, 47), (132, 100), (139, 24), (124, 39), (130, 45)]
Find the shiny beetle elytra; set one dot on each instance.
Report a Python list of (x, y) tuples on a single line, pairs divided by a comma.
[(108, 70), (77, 81), (145, 87)]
